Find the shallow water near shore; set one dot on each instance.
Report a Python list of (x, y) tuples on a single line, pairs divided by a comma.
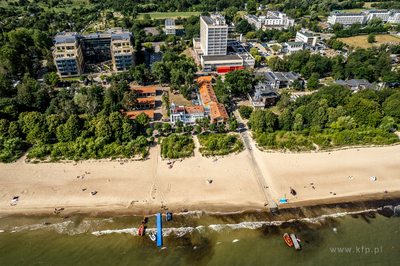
[(201, 238)]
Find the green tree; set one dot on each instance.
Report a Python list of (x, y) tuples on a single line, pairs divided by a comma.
[(371, 38), (312, 82), (233, 124), (128, 131), (14, 129), (167, 127), (205, 123), (188, 128), (387, 123), (221, 128), (198, 129), (178, 130), (149, 131), (337, 27), (243, 27), (230, 13), (71, 128), (212, 127), (129, 101), (238, 81), (159, 71), (276, 48), (251, 7), (149, 47), (285, 120), (251, 35), (179, 123), (142, 120), (109, 15), (4, 125), (298, 122), (158, 127), (116, 121), (245, 111), (375, 22), (296, 85), (391, 106), (103, 129)]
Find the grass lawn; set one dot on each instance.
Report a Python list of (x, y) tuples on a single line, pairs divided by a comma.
[(327, 80), (160, 15), (353, 10), (187, 53), (361, 40), (369, 4), (178, 99), (60, 7), (219, 144)]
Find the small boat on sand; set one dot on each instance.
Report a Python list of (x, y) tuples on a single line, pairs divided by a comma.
[(288, 240), (141, 231), (153, 237), (144, 220), (169, 216)]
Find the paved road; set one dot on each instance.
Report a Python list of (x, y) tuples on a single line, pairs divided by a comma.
[(251, 150)]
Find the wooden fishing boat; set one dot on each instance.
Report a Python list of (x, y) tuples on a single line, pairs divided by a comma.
[(288, 240), (141, 231)]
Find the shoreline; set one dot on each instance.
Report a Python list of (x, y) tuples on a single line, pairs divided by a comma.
[(375, 200)]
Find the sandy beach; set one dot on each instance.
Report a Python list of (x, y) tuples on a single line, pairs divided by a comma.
[(143, 187)]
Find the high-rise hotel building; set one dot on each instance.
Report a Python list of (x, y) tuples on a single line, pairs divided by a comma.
[(213, 34)]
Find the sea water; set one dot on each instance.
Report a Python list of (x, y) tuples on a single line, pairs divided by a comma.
[(354, 234)]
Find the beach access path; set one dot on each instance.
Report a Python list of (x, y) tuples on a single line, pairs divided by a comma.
[(252, 149)]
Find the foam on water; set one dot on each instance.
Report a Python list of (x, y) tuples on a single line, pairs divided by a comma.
[(202, 229), (1, 231)]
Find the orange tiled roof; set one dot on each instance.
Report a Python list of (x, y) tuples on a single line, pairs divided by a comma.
[(207, 93), (194, 109), (204, 80), (218, 110), (134, 114), (145, 90), (147, 100)]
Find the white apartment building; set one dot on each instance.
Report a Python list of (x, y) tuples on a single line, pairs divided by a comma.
[(272, 18), (394, 16), (347, 18), (383, 14), (302, 36), (256, 21), (278, 18), (213, 34), (170, 26)]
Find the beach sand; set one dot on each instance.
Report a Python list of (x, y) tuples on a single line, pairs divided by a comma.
[(143, 187)]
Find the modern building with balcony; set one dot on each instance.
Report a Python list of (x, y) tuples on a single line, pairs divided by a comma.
[(68, 56), (170, 26), (72, 51)]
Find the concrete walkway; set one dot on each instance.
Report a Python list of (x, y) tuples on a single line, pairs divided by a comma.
[(251, 149)]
